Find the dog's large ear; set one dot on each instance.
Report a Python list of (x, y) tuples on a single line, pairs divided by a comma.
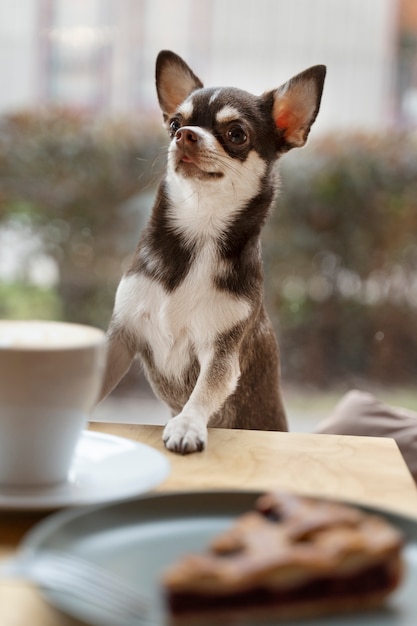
[(296, 104), (174, 81)]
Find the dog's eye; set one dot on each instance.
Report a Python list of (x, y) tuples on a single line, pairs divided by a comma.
[(174, 126), (236, 135)]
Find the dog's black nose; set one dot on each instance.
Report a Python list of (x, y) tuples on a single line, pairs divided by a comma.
[(186, 135)]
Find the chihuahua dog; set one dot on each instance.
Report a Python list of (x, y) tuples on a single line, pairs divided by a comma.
[(191, 304)]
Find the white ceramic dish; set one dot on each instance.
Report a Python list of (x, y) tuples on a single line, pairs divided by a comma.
[(105, 469), (138, 538)]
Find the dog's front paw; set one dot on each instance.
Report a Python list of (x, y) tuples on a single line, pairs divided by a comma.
[(185, 434)]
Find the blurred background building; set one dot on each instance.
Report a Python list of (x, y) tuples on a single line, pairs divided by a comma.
[(100, 54)]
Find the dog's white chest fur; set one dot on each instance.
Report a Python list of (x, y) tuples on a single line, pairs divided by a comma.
[(182, 323), (186, 322)]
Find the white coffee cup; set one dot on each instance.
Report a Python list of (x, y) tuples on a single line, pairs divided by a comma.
[(50, 377)]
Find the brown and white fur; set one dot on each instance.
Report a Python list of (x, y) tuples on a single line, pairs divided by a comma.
[(191, 303)]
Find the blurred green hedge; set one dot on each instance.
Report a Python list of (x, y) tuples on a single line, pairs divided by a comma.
[(71, 179), (340, 246), (341, 260)]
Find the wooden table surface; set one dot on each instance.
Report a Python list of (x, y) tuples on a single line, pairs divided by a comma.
[(366, 470)]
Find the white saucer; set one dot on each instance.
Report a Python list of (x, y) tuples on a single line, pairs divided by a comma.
[(105, 469)]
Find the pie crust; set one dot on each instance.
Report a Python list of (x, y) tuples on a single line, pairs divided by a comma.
[(290, 557)]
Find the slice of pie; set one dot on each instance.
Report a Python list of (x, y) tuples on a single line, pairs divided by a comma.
[(290, 557)]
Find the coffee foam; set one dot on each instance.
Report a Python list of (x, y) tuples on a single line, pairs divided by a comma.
[(46, 335)]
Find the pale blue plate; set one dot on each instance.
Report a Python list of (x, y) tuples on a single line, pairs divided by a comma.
[(138, 538)]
